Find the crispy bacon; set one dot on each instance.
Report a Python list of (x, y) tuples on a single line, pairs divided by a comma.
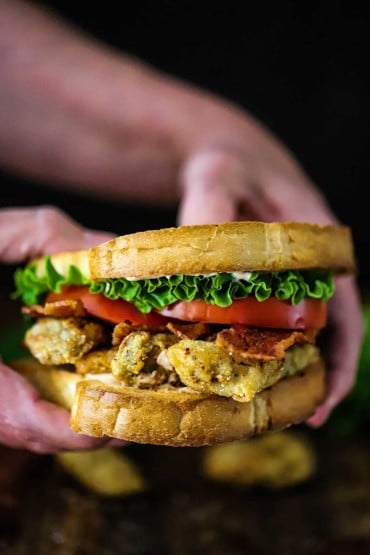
[(122, 330), (67, 308), (261, 344), (183, 331), (188, 331)]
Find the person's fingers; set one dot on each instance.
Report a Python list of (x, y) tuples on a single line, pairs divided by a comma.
[(344, 351), (208, 180), (29, 422), (224, 184), (92, 237), (53, 424), (118, 443), (26, 233), (221, 185)]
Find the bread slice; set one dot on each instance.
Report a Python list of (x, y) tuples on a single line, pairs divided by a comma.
[(174, 417), (228, 247), (182, 417), (203, 249)]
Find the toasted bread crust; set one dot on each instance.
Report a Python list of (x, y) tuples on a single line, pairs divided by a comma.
[(187, 418), (228, 247)]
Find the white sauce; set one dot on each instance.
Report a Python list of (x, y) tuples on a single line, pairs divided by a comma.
[(242, 275), (236, 275)]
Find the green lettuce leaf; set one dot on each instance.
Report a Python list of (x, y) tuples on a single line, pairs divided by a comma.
[(146, 294)]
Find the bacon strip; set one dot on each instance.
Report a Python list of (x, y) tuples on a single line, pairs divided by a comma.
[(122, 329), (67, 308), (261, 344), (183, 331), (188, 331)]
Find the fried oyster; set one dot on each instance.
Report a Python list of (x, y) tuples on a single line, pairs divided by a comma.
[(235, 362)]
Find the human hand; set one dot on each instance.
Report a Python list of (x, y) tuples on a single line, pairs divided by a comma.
[(259, 179), (146, 136), (27, 421), (342, 346)]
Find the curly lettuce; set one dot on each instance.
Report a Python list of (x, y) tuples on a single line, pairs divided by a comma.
[(147, 294)]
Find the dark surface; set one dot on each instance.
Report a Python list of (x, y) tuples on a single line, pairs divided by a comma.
[(185, 514)]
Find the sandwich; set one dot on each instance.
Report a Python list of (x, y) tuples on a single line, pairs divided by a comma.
[(186, 336)]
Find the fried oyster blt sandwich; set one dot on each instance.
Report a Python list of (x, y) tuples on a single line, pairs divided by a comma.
[(188, 336)]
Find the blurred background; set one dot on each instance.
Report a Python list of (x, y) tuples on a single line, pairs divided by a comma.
[(303, 72)]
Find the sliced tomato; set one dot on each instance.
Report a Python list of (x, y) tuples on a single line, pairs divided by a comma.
[(112, 311), (272, 313)]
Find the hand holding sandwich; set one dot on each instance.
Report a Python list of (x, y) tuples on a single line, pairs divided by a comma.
[(185, 336), (27, 421), (142, 134), (234, 186)]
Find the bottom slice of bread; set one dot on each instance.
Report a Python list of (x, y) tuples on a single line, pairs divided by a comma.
[(181, 417)]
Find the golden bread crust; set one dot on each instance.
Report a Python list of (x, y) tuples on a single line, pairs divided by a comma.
[(228, 247), (187, 418)]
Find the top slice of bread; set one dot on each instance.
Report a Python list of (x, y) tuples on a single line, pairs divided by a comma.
[(228, 247)]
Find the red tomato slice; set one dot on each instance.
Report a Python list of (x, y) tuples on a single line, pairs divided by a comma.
[(272, 313), (112, 311)]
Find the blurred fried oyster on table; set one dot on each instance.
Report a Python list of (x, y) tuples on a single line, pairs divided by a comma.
[(104, 471), (276, 460)]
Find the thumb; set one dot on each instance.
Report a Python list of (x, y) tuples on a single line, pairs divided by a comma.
[(29, 422), (210, 181), (91, 237), (26, 233)]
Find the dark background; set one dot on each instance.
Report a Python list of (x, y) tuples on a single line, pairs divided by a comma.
[(303, 72)]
